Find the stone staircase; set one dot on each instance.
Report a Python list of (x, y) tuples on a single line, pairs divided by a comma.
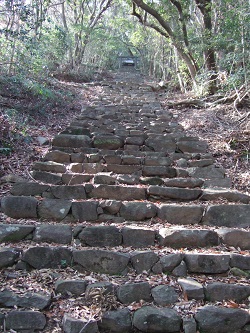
[(127, 226)]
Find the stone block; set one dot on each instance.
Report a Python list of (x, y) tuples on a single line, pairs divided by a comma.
[(68, 192), (134, 292), (176, 214), (219, 291), (85, 210), (164, 295), (174, 193), (55, 209), (73, 325), (14, 232), (70, 287), (72, 141), (57, 156), (111, 142), (28, 189), (117, 192), (116, 321), (101, 236), (138, 237), (207, 263), (191, 288), (161, 171), (237, 238), (49, 167), (61, 234), (19, 207), (25, 320), (8, 256), (143, 260), (137, 211)]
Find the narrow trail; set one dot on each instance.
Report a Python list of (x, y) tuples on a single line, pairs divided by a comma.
[(127, 226)]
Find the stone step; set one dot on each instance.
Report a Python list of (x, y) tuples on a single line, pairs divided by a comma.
[(135, 236)]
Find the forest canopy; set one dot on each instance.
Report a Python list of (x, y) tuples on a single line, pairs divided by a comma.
[(202, 44)]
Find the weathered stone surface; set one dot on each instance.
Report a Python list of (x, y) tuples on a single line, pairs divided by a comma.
[(189, 325), (153, 320), (107, 288), (19, 207), (191, 145), (92, 168), (118, 192), (143, 260), (47, 177), (184, 182), (209, 172), (228, 216), (25, 320), (181, 214), (116, 321), (207, 263), (102, 261), (57, 156), (85, 211), (135, 140), (47, 257), (68, 287), (76, 130), (180, 270), (14, 232), (49, 167), (218, 183), (230, 195), (73, 325), (155, 161), (191, 288), (111, 206), (240, 261), (8, 256), (28, 300), (72, 141), (68, 192), (170, 261), (123, 169), (28, 189), (179, 238), (137, 211), (164, 295), (161, 143), (55, 209), (214, 319), (134, 292), (128, 179), (72, 179), (174, 193), (201, 163), (161, 171), (108, 142), (236, 238), (151, 180), (219, 291), (104, 178), (101, 236), (112, 159), (138, 237), (78, 158), (61, 234), (75, 168), (131, 160)]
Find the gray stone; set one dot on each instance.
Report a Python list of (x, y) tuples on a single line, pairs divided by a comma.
[(191, 145), (200, 163), (161, 143), (175, 214), (214, 319), (92, 168), (218, 183), (57, 156), (170, 261), (78, 158), (72, 179), (236, 238), (73, 325), (28, 189), (207, 263), (61, 234), (47, 177), (49, 167), (228, 216), (106, 288), (240, 261), (128, 179), (164, 295), (117, 192), (230, 195), (102, 261), (111, 142), (14, 232), (156, 320), (219, 291), (151, 181), (111, 206), (85, 211), (191, 288), (70, 287), (8, 256), (47, 257), (180, 270), (161, 171), (75, 168), (25, 320), (138, 237), (76, 130), (189, 325), (71, 141), (134, 292), (131, 160), (155, 161), (184, 182), (27, 300), (135, 140), (179, 238), (123, 169), (209, 172), (174, 193), (112, 159), (68, 192), (19, 207), (143, 260), (101, 236), (102, 178), (116, 321), (138, 211), (55, 209)]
